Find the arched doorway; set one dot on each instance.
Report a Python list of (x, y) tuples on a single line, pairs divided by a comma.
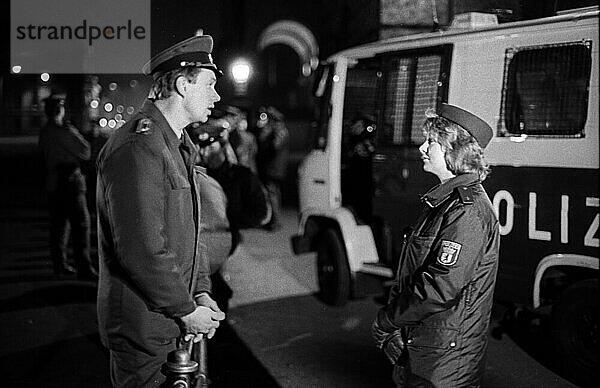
[(288, 54)]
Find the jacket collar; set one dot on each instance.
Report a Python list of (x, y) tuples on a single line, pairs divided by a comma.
[(440, 192)]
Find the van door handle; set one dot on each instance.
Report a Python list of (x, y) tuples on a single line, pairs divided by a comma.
[(379, 157)]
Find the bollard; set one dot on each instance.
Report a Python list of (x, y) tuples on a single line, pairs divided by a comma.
[(180, 369)]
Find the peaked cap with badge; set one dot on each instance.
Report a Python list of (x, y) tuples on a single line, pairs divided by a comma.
[(195, 51), (478, 128)]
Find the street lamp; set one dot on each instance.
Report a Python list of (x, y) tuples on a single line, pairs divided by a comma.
[(240, 70)]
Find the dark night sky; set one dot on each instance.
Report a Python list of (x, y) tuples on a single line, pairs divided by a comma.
[(235, 24)]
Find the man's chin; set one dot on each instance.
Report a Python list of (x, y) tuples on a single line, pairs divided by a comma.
[(202, 118)]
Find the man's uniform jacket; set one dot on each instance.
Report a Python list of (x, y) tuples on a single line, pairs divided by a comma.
[(435, 325), (151, 263)]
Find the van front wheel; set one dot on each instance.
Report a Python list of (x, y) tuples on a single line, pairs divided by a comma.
[(332, 268), (574, 327)]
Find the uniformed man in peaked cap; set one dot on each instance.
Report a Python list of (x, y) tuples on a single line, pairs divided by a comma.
[(434, 328), (154, 278)]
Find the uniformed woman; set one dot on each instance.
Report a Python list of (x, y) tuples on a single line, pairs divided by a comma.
[(435, 325)]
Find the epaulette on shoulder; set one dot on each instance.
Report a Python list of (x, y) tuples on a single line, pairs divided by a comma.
[(144, 126), (465, 194)]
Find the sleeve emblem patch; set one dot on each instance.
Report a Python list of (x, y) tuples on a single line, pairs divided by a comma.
[(449, 253)]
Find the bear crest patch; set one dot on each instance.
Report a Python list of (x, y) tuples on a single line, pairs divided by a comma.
[(449, 253)]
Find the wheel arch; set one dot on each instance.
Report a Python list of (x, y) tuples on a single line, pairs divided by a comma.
[(578, 266), (358, 240)]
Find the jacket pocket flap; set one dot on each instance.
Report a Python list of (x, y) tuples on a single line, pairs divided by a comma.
[(431, 337), (178, 181)]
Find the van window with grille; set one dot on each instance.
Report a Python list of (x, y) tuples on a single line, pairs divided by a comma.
[(545, 91), (412, 86), (360, 96)]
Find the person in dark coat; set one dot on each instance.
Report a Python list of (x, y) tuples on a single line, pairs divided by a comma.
[(356, 174), (242, 141), (246, 203), (154, 281), (64, 149), (434, 328), (246, 200)]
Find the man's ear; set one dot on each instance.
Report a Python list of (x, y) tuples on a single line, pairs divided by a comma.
[(181, 86)]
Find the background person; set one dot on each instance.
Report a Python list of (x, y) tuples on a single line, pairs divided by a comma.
[(246, 202), (242, 141), (357, 177), (64, 149), (435, 325), (247, 207), (272, 158), (154, 279)]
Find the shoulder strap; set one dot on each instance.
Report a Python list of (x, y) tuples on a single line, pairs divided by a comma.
[(465, 195), (144, 126)]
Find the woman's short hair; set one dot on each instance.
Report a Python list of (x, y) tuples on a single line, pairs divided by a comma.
[(164, 83), (463, 153)]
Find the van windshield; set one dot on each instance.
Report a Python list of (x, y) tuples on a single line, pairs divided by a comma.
[(396, 90)]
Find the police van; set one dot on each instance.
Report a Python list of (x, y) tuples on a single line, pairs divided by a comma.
[(536, 83)]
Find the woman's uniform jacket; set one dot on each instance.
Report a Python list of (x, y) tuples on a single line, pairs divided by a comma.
[(435, 326)]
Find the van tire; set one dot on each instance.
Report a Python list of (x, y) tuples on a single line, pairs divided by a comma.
[(332, 269), (574, 330)]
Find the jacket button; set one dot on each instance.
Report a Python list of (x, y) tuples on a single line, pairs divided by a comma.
[(452, 344), (409, 341)]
